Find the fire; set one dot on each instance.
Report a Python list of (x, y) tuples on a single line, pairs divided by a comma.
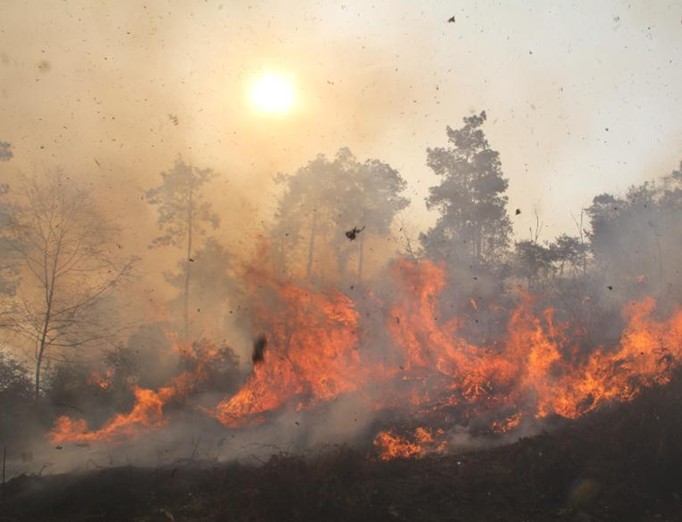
[(423, 442), (147, 412), (508, 424), (427, 372), (102, 380), (312, 356)]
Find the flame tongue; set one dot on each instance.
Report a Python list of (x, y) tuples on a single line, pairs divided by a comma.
[(147, 413), (312, 356)]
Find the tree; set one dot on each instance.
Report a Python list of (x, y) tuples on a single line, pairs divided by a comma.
[(68, 271), (5, 151), (635, 238), (374, 199), (533, 261), (213, 281), (7, 259), (569, 252), (473, 226), (332, 198), (15, 398), (183, 214)]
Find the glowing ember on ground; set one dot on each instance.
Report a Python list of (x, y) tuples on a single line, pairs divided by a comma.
[(422, 442)]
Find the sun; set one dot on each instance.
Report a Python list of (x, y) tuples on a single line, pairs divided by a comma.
[(273, 94)]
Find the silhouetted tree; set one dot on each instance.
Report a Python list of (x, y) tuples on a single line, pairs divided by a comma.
[(68, 271), (7, 267), (183, 215), (213, 281), (373, 200), (15, 397), (569, 252), (635, 238), (5, 151), (532, 261), (345, 199), (473, 226), (9, 263)]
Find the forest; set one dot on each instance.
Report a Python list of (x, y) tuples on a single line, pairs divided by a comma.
[(464, 333)]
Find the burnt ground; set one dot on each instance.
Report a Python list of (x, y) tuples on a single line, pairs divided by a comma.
[(619, 464)]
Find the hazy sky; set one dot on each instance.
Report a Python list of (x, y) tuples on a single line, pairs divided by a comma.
[(582, 97)]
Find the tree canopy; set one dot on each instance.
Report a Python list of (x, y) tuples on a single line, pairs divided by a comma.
[(473, 226), (325, 200), (183, 214)]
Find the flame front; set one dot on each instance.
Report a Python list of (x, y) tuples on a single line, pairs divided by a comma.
[(426, 371), (312, 356)]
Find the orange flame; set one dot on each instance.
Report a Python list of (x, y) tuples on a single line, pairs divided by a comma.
[(102, 380), (423, 442), (312, 356), (146, 414), (541, 366)]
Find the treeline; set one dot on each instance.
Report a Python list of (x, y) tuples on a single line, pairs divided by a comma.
[(65, 287)]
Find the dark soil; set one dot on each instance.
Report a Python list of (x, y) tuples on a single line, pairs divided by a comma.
[(620, 464)]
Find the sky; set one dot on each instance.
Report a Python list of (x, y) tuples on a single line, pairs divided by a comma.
[(582, 97)]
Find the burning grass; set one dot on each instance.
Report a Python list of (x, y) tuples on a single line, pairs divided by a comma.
[(619, 464), (426, 370)]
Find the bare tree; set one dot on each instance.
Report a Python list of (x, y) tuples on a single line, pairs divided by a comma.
[(182, 215), (68, 271)]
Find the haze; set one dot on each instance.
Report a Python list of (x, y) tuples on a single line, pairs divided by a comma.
[(581, 98)]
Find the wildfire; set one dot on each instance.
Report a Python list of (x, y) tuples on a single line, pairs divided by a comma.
[(102, 380), (422, 442), (429, 371), (146, 414), (312, 356)]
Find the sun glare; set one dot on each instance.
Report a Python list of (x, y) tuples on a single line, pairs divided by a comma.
[(273, 94)]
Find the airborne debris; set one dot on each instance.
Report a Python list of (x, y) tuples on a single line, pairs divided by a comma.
[(259, 346), (352, 234)]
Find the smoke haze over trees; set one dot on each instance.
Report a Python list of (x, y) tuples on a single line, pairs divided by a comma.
[(93, 351), (326, 199), (183, 217), (403, 231)]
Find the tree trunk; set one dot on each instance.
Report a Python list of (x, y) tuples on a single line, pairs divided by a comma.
[(50, 282), (39, 362), (42, 343), (311, 245), (361, 258), (188, 257)]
